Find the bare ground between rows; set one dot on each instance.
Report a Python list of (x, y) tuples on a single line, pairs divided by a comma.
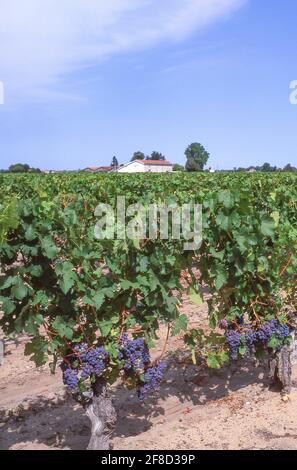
[(233, 408)]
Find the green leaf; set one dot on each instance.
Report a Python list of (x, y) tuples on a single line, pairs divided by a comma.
[(37, 349), (67, 283), (7, 305), (217, 254), (276, 217), (213, 362), (195, 297), (105, 327), (62, 328), (20, 291), (36, 271), (226, 198), (49, 247), (10, 281), (30, 234), (40, 298), (127, 285), (267, 226), (9, 218), (98, 299), (274, 343), (181, 324), (223, 221), (220, 280), (143, 265)]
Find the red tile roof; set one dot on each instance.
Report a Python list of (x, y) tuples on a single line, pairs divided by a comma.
[(98, 168), (155, 162)]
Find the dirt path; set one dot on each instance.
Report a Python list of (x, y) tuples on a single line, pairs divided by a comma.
[(197, 408)]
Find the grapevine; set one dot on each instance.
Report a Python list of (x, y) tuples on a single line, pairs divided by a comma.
[(79, 298)]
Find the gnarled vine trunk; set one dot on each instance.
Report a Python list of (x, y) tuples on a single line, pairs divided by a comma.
[(280, 365), (102, 415), (280, 369)]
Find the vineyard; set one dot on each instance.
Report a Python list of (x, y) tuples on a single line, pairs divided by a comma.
[(96, 309)]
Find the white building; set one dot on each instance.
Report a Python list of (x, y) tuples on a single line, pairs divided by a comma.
[(147, 166)]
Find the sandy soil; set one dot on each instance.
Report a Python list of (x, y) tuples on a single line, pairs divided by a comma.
[(233, 408)]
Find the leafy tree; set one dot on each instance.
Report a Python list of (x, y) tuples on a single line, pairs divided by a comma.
[(114, 163), (267, 167), (289, 167), (156, 156), (197, 157), (138, 156), (19, 168), (192, 165), (178, 167), (23, 168)]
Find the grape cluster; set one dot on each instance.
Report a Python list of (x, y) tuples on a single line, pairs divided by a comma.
[(223, 324), (233, 339), (153, 377), (70, 379), (93, 362), (136, 359), (251, 338), (84, 364), (134, 353), (269, 329)]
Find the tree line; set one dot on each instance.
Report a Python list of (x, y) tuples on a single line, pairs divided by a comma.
[(196, 160), (21, 168)]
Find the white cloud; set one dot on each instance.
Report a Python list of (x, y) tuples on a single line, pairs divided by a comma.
[(44, 41)]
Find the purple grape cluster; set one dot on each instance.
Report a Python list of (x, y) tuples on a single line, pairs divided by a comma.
[(153, 377), (269, 329), (134, 353), (223, 324), (93, 362), (70, 378), (83, 364), (250, 338), (233, 339), (136, 358)]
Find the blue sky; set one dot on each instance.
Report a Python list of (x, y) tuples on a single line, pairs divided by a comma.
[(88, 79)]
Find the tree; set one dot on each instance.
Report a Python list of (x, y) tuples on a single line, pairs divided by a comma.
[(178, 167), (23, 168), (197, 157), (19, 168), (289, 167), (138, 156), (267, 167), (115, 163), (156, 156)]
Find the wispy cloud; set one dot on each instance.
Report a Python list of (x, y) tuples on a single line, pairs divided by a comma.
[(43, 42)]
